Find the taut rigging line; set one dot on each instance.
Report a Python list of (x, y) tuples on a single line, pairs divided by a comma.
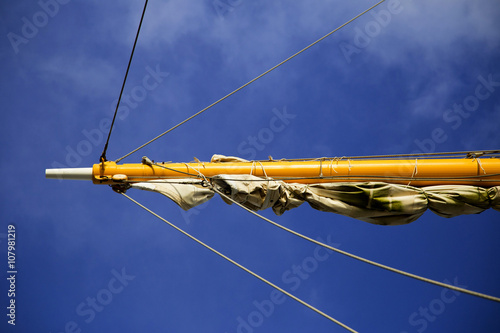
[(103, 155), (249, 82), (242, 267)]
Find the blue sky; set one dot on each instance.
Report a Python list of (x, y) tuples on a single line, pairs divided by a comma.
[(404, 78)]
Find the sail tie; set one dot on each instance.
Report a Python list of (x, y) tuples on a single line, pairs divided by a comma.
[(480, 165), (263, 169), (415, 171)]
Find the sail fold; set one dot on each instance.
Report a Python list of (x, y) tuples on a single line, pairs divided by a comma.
[(187, 193), (374, 202)]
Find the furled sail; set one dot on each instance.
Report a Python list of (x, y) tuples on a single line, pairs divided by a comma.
[(373, 202), (376, 190)]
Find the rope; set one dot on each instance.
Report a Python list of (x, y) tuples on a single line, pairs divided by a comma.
[(103, 155), (480, 165), (478, 178), (469, 179), (367, 261), (182, 172), (465, 154), (414, 173), (250, 82), (263, 170), (241, 266)]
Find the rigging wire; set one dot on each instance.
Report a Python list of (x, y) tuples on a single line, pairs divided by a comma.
[(103, 158), (174, 170), (464, 154), (479, 179), (103, 155), (241, 266), (249, 82), (367, 261), (360, 178), (476, 154)]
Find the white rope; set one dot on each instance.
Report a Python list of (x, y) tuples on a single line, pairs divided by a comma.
[(332, 167), (480, 165), (415, 171), (391, 269), (263, 170), (242, 267)]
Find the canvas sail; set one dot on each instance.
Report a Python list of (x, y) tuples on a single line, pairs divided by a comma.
[(373, 202)]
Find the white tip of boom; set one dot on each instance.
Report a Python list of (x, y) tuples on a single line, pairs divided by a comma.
[(69, 173)]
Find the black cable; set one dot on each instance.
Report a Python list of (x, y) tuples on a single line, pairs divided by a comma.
[(103, 155)]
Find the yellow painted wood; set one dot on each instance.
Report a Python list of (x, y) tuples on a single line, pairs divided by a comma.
[(415, 172)]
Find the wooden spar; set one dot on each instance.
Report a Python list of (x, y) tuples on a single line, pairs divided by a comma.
[(423, 172)]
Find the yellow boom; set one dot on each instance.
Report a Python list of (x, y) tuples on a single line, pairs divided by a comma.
[(426, 172)]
